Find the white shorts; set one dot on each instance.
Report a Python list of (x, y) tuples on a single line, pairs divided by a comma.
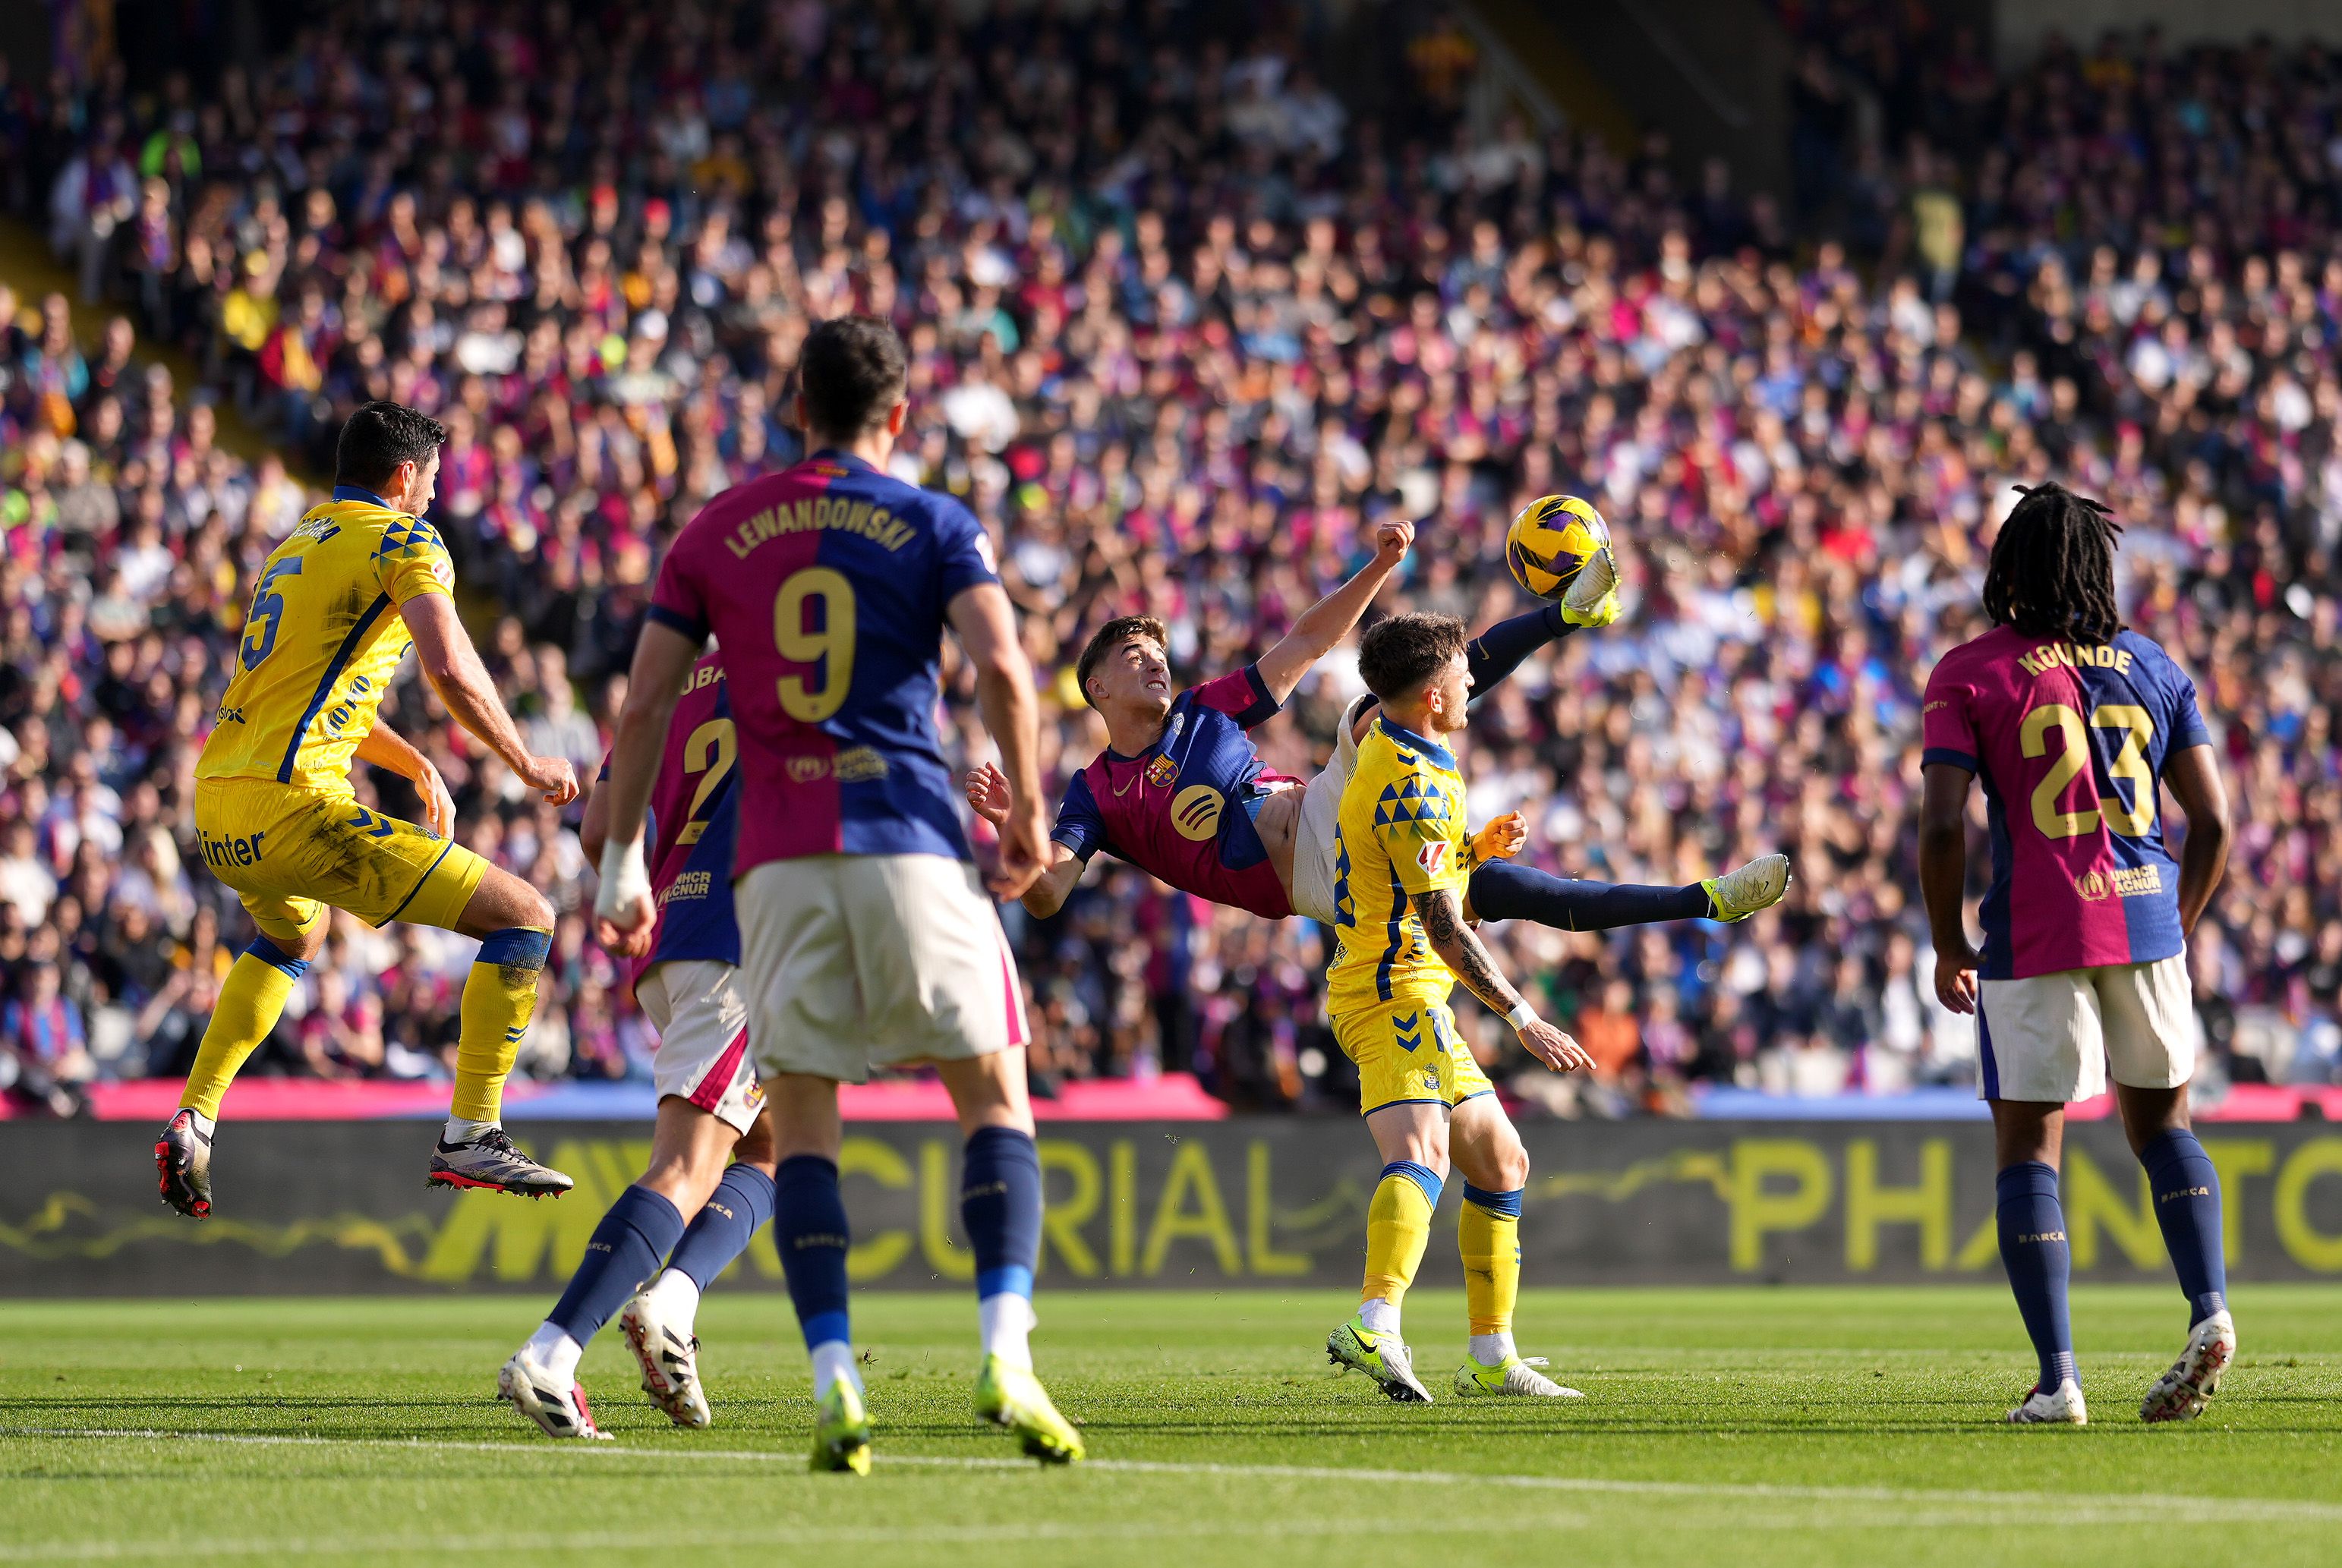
[(852, 961), (2052, 1037), (1321, 810), (703, 1050)]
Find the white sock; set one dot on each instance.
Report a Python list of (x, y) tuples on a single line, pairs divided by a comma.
[(833, 1359), (1379, 1315), (676, 1296), (1493, 1349), (461, 1132), (201, 1123), (1004, 1321), (553, 1349)]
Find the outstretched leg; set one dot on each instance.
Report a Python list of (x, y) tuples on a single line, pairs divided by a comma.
[(1500, 890)]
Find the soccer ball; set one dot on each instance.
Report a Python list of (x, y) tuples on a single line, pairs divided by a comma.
[(1551, 540)]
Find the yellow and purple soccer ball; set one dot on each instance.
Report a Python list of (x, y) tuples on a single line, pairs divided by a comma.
[(1551, 540)]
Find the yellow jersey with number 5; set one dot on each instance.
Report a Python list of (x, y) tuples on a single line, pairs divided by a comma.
[(321, 639), (1400, 833)]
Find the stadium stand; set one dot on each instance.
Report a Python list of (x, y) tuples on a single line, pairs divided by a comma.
[(1184, 322)]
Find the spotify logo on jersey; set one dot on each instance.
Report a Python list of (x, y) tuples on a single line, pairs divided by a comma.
[(1195, 812)]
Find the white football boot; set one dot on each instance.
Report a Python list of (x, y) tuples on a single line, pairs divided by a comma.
[(558, 1411), (2062, 1407), (2179, 1394), (668, 1352), (1515, 1375)]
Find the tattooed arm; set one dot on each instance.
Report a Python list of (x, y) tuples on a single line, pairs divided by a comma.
[(1459, 947)]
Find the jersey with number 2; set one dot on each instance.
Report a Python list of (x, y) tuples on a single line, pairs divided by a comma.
[(826, 586), (2070, 742), (694, 817)]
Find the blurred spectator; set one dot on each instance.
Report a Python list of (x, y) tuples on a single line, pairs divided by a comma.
[(1182, 325)]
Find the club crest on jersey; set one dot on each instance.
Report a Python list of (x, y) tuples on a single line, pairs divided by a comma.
[(1161, 771), (1432, 856), (1195, 812)]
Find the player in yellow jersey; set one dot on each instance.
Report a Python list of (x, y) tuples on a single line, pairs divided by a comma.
[(335, 609), (1401, 861)]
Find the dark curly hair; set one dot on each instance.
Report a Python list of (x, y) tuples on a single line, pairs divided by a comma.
[(1396, 656), (2052, 571)]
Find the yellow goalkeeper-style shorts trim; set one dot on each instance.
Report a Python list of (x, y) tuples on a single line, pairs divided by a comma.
[(290, 851), (1408, 1051)]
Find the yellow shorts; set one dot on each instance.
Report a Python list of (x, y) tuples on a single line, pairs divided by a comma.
[(291, 852), (1408, 1052)]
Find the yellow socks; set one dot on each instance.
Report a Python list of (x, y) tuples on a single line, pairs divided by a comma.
[(251, 998), (1398, 1228), (499, 999), (1489, 1236)]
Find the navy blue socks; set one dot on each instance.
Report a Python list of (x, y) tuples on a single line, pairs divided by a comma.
[(809, 1231), (1501, 890), (626, 1249), (1498, 651), (2188, 1206), (725, 1225), (2033, 1249), (1000, 1204)]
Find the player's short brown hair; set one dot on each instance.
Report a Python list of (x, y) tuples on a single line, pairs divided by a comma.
[(1396, 656), (1114, 634), (851, 371), (378, 437)]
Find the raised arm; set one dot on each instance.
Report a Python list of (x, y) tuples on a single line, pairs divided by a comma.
[(384, 747), (1004, 693), (2194, 776), (453, 669), (1459, 947), (1325, 623), (1944, 878)]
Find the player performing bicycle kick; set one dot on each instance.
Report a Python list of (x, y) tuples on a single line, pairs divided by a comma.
[(1181, 790)]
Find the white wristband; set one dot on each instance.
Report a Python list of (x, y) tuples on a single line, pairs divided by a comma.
[(625, 878), (1521, 1016)]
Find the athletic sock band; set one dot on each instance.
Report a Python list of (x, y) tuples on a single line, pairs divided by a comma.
[(1423, 1176), (276, 958)]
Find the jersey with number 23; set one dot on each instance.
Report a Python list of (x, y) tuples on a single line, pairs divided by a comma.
[(2070, 741)]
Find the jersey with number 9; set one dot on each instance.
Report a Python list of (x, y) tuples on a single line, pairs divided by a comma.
[(826, 586), (2070, 741)]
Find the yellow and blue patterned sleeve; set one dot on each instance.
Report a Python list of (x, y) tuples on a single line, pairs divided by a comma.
[(1421, 829), (412, 561)]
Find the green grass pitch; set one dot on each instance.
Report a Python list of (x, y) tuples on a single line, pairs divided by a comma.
[(1742, 1425)]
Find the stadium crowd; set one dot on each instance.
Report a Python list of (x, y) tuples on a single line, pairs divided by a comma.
[(1183, 324)]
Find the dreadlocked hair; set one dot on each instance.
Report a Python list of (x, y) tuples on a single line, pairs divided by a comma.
[(2052, 571)]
